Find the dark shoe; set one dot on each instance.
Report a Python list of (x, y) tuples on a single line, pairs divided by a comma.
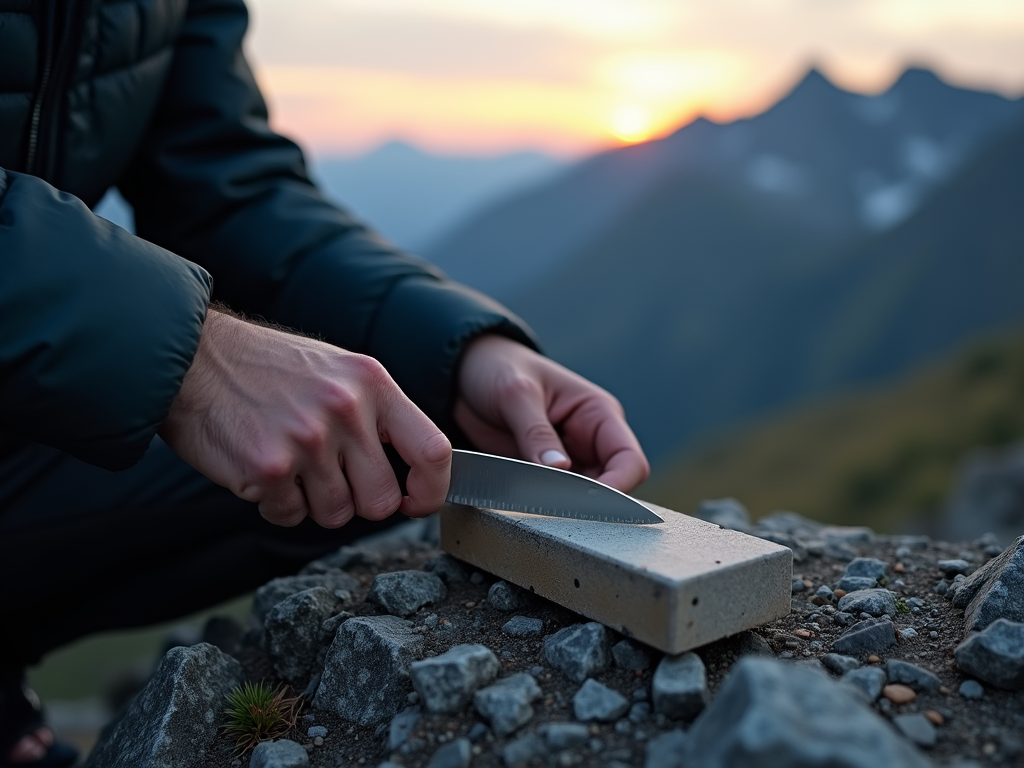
[(20, 716)]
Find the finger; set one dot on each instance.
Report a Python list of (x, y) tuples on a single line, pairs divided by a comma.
[(426, 450), (328, 493), (485, 436), (624, 465), (526, 414), (375, 489), (284, 504)]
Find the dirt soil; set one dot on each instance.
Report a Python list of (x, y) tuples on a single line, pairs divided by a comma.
[(989, 731)]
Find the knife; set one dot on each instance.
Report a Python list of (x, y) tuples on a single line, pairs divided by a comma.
[(495, 482)]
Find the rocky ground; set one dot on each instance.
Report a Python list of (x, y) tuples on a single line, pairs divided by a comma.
[(406, 655)]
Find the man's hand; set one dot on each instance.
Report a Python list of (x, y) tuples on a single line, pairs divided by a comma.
[(518, 403), (296, 426)]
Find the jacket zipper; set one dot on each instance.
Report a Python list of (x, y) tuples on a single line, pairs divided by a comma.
[(66, 36), (49, 22)]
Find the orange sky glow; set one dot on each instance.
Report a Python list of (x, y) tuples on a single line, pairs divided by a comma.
[(568, 77)]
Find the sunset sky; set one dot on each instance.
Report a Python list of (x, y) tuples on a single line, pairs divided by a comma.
[(567, 77)]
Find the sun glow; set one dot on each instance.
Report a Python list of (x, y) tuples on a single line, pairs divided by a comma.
[(631, 124)]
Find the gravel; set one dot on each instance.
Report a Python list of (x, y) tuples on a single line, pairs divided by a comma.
[(911, 675), (506, 597), (506, 704), (446, 683), (866, 681), (632, 656), (523, 626), (916, 727), (579, 651), (680, 686), (868, 636), (594, 701), (838, 664), (874, 602), (279, 754)]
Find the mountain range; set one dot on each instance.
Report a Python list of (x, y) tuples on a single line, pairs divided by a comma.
[(707, 279)]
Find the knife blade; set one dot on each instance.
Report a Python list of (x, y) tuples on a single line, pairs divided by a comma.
[(496, 482)]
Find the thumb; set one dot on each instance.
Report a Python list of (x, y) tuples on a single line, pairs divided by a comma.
[(535, 436)]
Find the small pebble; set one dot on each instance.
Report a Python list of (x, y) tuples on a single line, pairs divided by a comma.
[(874, 659), (900, 568), (971, 689), (899, 694), (318, 741), (476, 578), (934, 717)]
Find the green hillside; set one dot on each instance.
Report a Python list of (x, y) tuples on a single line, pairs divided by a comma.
[(878, 457)]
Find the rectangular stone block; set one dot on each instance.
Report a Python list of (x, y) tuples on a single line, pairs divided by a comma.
[(675, 586)]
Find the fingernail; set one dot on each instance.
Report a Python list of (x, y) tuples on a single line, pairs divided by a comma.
[(553, 457)]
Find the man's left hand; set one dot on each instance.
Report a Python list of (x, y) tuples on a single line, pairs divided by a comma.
[(515, 402)]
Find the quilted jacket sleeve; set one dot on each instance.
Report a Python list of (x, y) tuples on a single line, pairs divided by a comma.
[(213, 183), (97, 327)]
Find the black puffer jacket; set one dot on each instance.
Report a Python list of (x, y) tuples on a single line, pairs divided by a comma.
[(97, 327)]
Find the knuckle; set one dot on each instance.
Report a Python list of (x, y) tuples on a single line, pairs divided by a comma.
[(382, 506), (436, 449), (312, 435), (540, 432), (339, 517), (272, 469), (343, 402), (518, 386), (370, 370)]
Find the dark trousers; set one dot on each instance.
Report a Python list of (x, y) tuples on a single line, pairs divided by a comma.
[(84, 550)]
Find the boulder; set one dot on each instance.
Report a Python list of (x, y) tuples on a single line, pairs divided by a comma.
[(995, 655), (293, 633), (994, 591), (402, 593), (768, 712), (175, 719), (366, 672), (273, 592)]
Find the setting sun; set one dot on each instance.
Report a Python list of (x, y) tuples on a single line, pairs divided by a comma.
[(631, 124)]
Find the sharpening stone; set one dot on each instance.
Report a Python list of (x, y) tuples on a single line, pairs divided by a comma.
[(675, 585)]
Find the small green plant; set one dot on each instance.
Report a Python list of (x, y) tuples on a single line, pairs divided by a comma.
[(256, 712), (901, 606)]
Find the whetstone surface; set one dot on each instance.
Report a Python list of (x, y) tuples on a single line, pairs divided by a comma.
[(675, 586)]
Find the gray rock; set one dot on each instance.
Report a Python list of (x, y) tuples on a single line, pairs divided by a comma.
[(560, 736), (771, 713), (402, 593), (876, 602), (448, 569), (506, 704), (971, 689), (341, 559), (750, 643), (866, 682), (994, 591), (825, 593), (273, 592), (366, 673), (578, 651), (176, 717), (666, 750), (279, 754), (503, 596), (316, 730), (594, 701), (293, 633), (951, 568), (995, 655), (447, 682), (728, 513), (869, 636), (631, 655), (916, 677), (838, 664), (798, 586), (856, 583), (523, 750), (680, 686), (867, 567), (639, 712), (455, 754), (522, 626), (917, 728), (401, 726)]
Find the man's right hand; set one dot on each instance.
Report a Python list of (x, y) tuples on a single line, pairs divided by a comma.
[(296, 425)]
